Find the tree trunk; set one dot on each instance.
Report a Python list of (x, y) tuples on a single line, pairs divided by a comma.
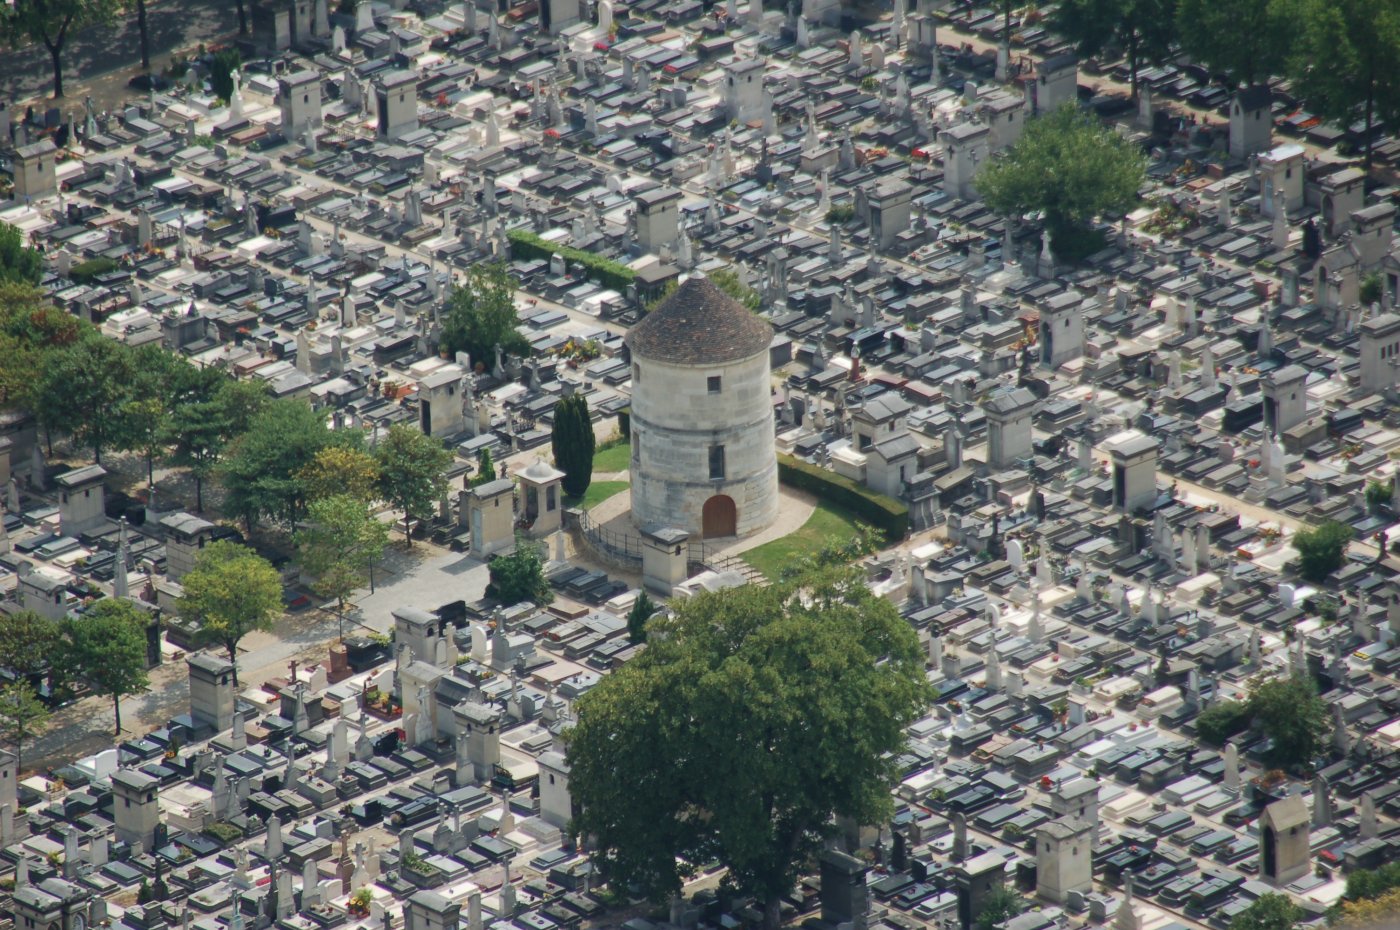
[(1133, 63), (407, 531), (117, 710), (150, 471), (233, 660), (56, 56), (242, 19), (772, 913), (145, 35), (198, 494)]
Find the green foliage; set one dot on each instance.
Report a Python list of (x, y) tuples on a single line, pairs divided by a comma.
[(85, 272), (19, 264), (637, 617), (230, 592), (339, 470), (485, 468), (223, 831), (1345, 58), (1370, 290), (144, 894), (30, 329), (32, 645), (573, 443), (208, 411), (1269, 912), (22, 716), (835, 551), (341, 541), (1377, 495), (481, 316), (1321, 549), (840, 213), (527, 245), (727, 280), (884, 513), (263, 468), (775, 709), (1068, 167), (1144, 30), (108, 650), (1247, 40), (1000, 905), (1364, 884), (519, 576), (1292, 715), (1223, 720), (412, 467), (50, 23), (221, 67), (78, 388)]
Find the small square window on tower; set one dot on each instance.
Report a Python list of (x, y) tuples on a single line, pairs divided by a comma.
[(714, 384)]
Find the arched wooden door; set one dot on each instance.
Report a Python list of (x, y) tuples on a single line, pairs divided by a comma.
[(719, 517)]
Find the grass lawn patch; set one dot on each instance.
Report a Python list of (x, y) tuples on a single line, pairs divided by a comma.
[(597, 492), (826, 523), (613, 458)]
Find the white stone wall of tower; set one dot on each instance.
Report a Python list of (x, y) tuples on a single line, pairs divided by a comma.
[(676, 421)]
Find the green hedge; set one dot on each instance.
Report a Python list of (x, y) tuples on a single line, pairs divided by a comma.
[(84, 272), (884, 513), (527, 245)]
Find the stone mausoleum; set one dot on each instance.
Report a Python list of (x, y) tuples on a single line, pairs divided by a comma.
[(702, 415)]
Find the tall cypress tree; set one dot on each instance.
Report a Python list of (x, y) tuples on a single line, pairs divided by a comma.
[(573, 443)]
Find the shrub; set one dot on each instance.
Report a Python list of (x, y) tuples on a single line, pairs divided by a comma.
[(85, 272), (605, 271), (884, 513), (223, 831)]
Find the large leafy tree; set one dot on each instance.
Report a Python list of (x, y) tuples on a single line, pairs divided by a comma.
[(1000, 905), (1321, 549), (30, 328), (33, 646), (208, 410), (774, 711), (573, 442), (1246, 40), (1292, 715), (81, 386), (412, 472), (1269, 912), (51, 22), (108, 648), (481, 315), (1143, 29), (339, 543), (1069, 168), (19, 264), (341, 470), (263, 467), (144, 416), (1346, 61), (22, 716), (231, 592), (519, 576)]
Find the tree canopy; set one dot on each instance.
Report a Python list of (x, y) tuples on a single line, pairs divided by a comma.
[(22, 716), (1346, 61), (1143, 29), (262, 469), (108, 650), (230, 592), (481, 316), (19, 264), (774, 709), (51, 22), (1000, 905), (412, 472), (1246, 40), (80, 386), (519, 576), (1321, 549), (1270, 911), (1292, 715), (573, 443), (341, 469), (32, 645), (642, 610), (340, 542), (1067, 167)]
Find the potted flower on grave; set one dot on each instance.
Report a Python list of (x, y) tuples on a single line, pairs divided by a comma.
[(358, 905)]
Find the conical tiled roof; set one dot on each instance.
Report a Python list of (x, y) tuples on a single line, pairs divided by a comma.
[(699, 325)]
